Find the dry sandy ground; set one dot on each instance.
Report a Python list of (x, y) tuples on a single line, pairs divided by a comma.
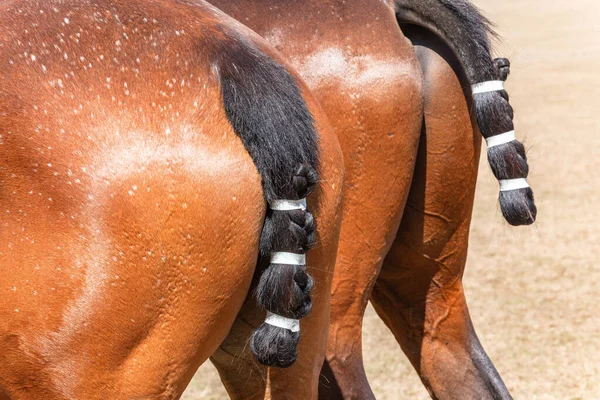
[(533, 292)]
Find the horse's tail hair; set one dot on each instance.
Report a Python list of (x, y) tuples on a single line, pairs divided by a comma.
[(466, 31), (264, 104)]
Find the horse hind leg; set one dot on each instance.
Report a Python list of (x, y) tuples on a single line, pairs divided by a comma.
[(419, 292)]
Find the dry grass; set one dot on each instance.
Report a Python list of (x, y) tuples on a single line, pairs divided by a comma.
[(533, 292)]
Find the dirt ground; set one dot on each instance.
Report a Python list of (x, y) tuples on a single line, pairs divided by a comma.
[(533, 292)]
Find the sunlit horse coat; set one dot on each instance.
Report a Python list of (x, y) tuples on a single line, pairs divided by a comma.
[(394, 78), (142, 145)]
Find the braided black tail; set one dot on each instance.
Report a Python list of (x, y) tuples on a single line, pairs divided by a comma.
[(466, 30), (266, 109)]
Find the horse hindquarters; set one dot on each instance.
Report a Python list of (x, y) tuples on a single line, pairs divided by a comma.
[(134, 280), (148, 210), (419, 293)]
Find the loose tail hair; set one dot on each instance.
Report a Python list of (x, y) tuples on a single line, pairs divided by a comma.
[(466, 31), (266, 109)]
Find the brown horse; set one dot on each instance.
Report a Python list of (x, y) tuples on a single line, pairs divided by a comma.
[(394, 78), (141, 144)]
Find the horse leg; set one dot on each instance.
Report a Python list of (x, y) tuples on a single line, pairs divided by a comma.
[(380, 149), (419, 293)]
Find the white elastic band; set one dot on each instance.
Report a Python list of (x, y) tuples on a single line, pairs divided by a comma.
[(489, 86), (282, 322), (280, 257), (503, 138), (513, 184), (288, 205)]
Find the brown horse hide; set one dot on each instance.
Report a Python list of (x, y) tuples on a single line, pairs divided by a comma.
[(143, 146), (394, 78)]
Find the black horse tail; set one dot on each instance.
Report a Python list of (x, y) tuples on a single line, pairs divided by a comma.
[(465, 30), (264, 105)]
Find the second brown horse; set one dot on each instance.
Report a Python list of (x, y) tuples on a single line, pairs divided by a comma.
[(394, 78)]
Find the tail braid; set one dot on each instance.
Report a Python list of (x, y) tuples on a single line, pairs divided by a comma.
[(266, 109), (506, 155), (460, 24), (502, 65), (285, 231)]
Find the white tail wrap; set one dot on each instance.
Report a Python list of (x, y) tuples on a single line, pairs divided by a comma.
[(486, 87), (503, 138), (288, 205), (282, 322), (513, 184), (280, 257)]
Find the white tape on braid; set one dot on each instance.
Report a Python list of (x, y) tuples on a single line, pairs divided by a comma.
[(282, 322), (288, 205), (507, 185), (503, 138), (486, 87), (281, 257)]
